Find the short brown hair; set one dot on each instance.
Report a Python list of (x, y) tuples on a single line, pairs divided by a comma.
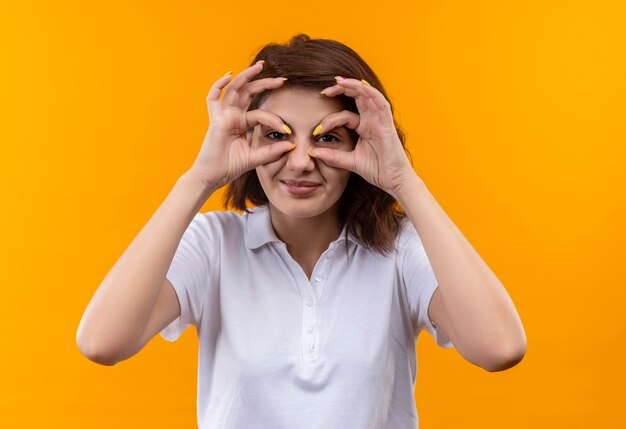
[(373, 216)]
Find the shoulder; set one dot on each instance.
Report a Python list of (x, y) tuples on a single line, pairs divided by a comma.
[(220, 217), (407, 236), (252, 228), (217, 223)]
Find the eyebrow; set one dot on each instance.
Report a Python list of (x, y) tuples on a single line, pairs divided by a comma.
[(284, 122), (289, 125)]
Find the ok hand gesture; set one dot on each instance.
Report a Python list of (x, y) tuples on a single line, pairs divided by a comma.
[(226, 152), (378, 156)]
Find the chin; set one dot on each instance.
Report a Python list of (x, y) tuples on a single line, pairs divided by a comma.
[(303, 209), (300, 212)]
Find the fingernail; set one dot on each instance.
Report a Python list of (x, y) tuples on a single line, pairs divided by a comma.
[(283, 78), (317, 130), (292, 147), (259, 62), (287, 129), (365, 82), (227, 73), (340, 77), (313, 156), (323, 91)]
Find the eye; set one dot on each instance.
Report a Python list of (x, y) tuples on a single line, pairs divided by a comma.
[(275, 135), (328, 139)]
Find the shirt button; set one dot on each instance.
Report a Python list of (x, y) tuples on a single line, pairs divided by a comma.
[(309, 303), (309, 329), (318, 278)]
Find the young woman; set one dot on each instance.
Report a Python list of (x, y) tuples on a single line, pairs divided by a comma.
[(309, 302)]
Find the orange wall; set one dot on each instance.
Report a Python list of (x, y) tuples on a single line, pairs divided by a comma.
[(515, 117)]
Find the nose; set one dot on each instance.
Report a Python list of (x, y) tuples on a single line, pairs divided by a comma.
[(298, 159)]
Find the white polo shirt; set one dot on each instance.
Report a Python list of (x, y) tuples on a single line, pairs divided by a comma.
[(281, 351)]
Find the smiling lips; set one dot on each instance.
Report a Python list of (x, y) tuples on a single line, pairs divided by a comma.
[(300, 188)]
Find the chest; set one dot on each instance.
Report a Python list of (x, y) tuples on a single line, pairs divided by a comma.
[(274, 318)]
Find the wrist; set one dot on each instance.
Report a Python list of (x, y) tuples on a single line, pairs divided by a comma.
[(408, 187), (196, 185)]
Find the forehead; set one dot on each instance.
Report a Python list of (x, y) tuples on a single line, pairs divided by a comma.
[(301, 101)]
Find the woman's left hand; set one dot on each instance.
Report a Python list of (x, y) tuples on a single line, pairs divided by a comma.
[(378, 156)]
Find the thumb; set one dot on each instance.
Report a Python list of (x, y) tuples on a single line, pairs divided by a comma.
[(335, 158)]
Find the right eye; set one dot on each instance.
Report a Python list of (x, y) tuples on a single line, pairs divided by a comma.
[(275, 135)]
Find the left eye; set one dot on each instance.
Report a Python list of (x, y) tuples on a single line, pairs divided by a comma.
[(275, 135), (328, 138)]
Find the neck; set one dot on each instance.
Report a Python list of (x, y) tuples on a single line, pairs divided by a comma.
[(306, 238)]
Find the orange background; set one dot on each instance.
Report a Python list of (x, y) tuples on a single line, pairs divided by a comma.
[(515, 116)]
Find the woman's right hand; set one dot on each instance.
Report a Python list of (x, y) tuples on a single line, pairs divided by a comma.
[(226, 152)]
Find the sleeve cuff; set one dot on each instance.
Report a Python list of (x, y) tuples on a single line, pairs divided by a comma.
[(174, 330), (440, 338)]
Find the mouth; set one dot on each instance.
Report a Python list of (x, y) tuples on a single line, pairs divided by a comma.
[(300, 188)]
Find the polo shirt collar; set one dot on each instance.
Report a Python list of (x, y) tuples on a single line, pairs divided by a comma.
[(259, 229)]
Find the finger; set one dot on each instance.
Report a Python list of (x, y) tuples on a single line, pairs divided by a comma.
[(256, 87), (245, 76), (335, 158), (262, 117), (232, 89), (361, 103), (216, 88), (338, 119), (268, 153), (363, 88)]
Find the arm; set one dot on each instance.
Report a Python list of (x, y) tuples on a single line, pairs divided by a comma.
[(471, 306), (128, 306), (118, 313)]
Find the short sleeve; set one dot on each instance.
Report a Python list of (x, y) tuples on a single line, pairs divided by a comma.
[(189, 275), (420, 282)]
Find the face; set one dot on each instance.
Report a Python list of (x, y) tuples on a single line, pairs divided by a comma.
[(296, 185)]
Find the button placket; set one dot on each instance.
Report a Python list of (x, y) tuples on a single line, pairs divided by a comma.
[(317, 282), (310, 327), (308, 331), (309, 296), (320, 272)]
